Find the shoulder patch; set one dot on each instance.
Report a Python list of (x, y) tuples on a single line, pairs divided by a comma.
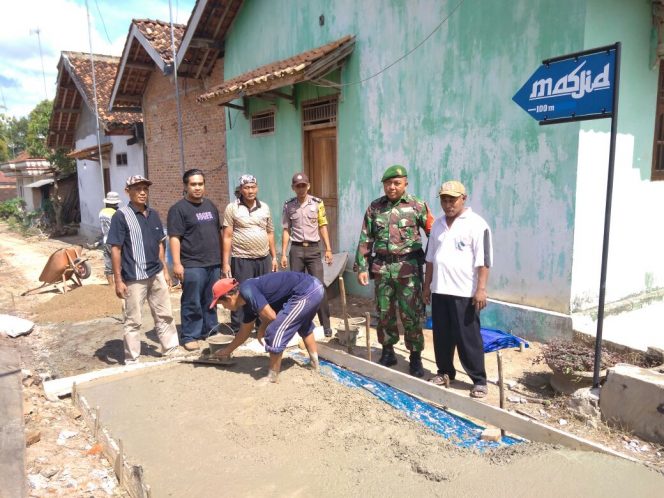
[(316, 199), (290, 200)]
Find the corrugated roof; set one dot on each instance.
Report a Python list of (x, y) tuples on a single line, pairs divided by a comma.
[(302, 67)]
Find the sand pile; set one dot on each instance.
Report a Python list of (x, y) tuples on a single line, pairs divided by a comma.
[(80, 304)]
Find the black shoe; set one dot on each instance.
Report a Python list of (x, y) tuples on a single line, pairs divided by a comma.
[(388, 358), (328, 332), (416, 368)]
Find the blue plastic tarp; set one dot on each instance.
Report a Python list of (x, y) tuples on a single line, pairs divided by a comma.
[(455, 429), (493, 339), (497, 339)]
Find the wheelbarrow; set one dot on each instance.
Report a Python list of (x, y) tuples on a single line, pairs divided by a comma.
[(64, 264)]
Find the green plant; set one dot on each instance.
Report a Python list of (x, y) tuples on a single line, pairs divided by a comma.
[(12, 208)]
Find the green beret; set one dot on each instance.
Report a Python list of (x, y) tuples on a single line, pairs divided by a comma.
[(396, 171)]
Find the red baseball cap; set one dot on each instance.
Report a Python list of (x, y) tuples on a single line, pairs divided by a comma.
[(222, 287)]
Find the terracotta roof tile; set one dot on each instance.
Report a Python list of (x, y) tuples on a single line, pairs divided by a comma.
[(267, 77), (158, 33), (106, 67)]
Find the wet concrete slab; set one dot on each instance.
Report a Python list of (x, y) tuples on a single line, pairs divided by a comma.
[(211, 431)]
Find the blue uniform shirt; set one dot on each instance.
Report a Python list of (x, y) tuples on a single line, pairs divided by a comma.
[(138, 236), (274, 289)]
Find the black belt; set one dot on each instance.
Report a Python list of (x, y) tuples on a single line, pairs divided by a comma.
[(397, 258), (304, 244)]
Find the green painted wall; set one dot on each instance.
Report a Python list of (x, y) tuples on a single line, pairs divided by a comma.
[(445, 111)]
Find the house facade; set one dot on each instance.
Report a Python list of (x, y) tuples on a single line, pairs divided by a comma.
[(107, 147), (32, 177), (145, 83), (349, 88)]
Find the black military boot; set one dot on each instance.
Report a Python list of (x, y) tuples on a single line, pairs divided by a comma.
[(416, 368), (388, 358)]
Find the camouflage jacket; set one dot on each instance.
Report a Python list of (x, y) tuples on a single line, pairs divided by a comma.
[(390, 241)]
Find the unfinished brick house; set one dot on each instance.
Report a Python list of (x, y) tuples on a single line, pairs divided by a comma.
[(73, 127), (145, 83)]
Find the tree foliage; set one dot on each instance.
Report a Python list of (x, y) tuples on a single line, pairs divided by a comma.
[(37, 131), (13, 136), (62, 164)]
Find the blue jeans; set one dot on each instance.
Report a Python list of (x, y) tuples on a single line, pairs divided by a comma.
[(196, 316)]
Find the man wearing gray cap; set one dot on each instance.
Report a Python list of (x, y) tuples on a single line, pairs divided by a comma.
[(458, 259), (249, 249), (304, 224), (137, 239), (111, 203)]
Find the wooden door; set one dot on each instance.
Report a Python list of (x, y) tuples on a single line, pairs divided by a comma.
[(107, 180), (320, 164)]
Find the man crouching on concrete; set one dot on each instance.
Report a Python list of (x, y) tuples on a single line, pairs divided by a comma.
[(286, 303)]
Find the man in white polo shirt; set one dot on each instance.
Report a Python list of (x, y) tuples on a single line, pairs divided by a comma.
[(458, 259)]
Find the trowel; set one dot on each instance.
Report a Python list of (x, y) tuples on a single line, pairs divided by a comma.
[(206, 359)]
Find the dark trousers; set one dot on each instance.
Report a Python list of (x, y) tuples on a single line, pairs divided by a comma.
[(196, 316), (309, 258), (244, 269), (456, 324)]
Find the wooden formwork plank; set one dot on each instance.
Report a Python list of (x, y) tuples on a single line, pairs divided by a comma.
[(511, 422), (129, 476), (63, 387)]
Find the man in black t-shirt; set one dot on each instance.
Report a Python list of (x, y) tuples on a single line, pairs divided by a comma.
[(195, 240)]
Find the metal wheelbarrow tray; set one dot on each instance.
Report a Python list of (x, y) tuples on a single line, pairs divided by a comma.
[(62, 265)]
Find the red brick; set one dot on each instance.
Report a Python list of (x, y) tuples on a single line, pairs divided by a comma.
[(204, 136)]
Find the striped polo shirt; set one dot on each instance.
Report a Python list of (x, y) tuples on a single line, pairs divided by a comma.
[(250, 229), (139, 236)]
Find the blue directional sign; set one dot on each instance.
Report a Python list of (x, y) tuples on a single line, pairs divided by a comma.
[(570, 88)]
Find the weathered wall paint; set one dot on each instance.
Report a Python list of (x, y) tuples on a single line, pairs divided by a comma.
[(90, 191), (445, 111), (635, 264)]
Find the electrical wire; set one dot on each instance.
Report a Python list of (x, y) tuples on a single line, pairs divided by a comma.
[(359, 82), (103, 23)]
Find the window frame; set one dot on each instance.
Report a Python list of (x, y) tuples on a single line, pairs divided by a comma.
[(263, 114), (121, 159)]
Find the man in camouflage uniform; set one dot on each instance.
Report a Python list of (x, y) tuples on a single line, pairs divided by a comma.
[(390, 248)]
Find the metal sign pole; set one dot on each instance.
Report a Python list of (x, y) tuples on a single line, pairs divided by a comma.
[(607, 221)]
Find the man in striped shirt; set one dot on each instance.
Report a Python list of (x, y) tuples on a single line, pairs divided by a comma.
[(137, 253), (249, 249)]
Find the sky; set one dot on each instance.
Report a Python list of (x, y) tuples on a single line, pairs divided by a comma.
[(63, 25)]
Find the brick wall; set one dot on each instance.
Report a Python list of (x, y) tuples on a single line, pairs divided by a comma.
[(204, 135), (7, 192)]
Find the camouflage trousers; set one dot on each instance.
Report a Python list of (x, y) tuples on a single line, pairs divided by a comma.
[(406, 293)]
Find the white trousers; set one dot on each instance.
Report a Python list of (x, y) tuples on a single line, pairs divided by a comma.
[(155, 290)]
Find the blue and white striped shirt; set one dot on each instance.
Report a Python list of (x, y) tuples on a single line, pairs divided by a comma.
[(138, 235)]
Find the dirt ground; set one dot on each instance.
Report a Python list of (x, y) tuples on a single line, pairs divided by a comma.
[(81, 331)]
